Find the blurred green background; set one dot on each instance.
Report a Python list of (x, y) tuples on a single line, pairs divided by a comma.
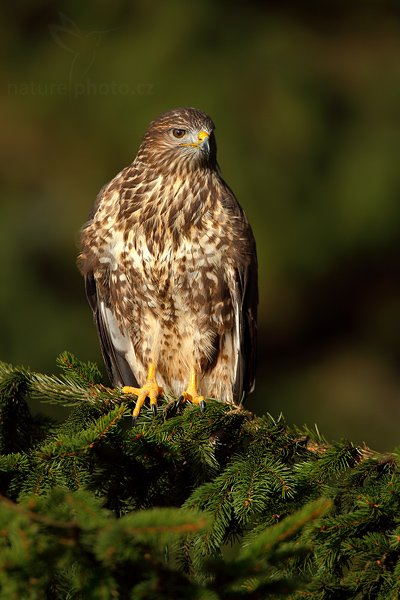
[(306, 98)]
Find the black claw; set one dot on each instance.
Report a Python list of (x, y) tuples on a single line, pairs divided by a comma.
[(202, 405), (134, 421), (179, 401), (154, 409)]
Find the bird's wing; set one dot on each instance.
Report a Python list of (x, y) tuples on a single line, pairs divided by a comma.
[(115, 347), (243, 284), (244, 293)]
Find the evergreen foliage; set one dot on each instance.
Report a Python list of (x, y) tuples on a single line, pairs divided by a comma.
[(213, 505)]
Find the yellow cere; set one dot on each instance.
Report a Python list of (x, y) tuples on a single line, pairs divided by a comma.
[(202, 136)]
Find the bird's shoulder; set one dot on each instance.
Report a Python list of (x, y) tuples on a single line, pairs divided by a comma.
[(102, 223), (230, 215)]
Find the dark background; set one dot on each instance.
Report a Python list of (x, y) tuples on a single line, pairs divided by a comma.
[(306, 98)]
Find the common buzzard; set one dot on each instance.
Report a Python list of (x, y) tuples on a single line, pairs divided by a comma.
[(170, 266)]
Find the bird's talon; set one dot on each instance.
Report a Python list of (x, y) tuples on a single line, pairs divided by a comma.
[(150, 390), (202, 406), (134, 421), (190, 394), (128, 389), (186, 397), (178, 402)]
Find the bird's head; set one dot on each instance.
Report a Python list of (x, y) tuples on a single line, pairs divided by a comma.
[(183, 137)]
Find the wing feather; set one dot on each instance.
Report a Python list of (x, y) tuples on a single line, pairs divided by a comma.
[(115, 347), (245, 300)]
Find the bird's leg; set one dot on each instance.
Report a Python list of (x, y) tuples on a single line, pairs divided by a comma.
[(150, 390), (190, 394)]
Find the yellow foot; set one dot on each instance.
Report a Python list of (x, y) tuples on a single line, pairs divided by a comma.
[(190, 394), (150, 390)]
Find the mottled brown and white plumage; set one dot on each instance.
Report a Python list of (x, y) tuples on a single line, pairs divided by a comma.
[(169, 261)]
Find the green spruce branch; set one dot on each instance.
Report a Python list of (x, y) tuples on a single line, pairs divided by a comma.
[(213, 505)]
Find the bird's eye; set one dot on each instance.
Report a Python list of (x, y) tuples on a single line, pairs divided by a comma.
[(178, 133)]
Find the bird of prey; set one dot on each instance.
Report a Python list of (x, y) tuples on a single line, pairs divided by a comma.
[(170, 267)]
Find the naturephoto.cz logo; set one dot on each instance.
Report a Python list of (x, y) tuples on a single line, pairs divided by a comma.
[(85, 88), (83, 47)]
